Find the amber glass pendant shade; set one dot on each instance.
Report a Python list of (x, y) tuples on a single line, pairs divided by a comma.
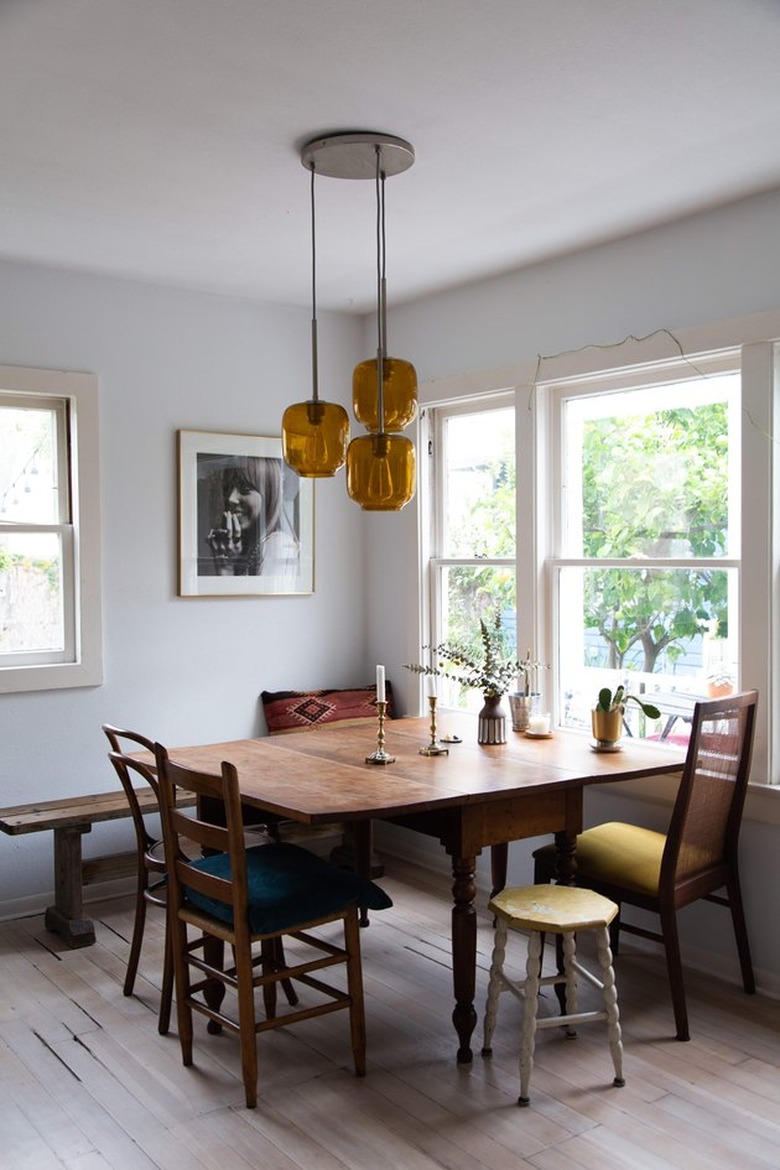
[(381, 472), (314, 438), (399, 388)]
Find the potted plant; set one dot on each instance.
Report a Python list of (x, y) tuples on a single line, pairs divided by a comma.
[(607, 715), (492, 669)]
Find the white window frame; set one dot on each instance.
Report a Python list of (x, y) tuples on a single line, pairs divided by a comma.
[(81, 663), (756, 339), (434, 421)]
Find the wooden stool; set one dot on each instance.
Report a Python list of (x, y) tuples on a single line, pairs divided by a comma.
[(559, 910)]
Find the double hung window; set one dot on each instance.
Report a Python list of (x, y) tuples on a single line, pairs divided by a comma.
[(49, 565)]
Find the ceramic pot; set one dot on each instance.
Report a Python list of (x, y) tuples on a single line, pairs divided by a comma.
[(492, 721), (607, 725)]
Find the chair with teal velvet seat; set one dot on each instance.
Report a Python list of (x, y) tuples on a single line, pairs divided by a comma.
[(252, 899), (695, 858)]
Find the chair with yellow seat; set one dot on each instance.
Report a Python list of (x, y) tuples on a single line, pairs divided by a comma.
[(695, 858), (562, 911)]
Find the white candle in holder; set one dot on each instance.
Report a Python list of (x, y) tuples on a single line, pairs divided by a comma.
[(430, 686), (380, 684), (539, 724)]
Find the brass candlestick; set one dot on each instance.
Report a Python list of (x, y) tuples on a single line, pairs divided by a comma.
[(380, 756), (434, 748)]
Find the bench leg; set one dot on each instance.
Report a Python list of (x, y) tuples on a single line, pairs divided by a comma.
[(66, 917)]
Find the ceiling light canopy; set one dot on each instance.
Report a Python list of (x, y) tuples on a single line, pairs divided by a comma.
[(380, 464)]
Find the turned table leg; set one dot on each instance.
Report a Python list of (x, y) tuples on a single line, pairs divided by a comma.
[(464, 952)]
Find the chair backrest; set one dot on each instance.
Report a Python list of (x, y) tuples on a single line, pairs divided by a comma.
[(179, 826), (124, 765), (704, 827)]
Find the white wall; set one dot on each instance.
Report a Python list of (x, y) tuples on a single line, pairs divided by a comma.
[(181, 670), (193, 668), (706, 269)]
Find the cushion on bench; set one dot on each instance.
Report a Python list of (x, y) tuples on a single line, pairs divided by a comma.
[(287, 711)]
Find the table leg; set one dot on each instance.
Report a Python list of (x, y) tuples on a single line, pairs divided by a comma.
[(66, 917), (464, 952), (362, 839), (499, 860)]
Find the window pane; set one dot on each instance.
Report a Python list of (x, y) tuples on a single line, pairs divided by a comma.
[(31, 598), (479, 484), (28, 466), (470, 593), (652, 472), (660, 631)]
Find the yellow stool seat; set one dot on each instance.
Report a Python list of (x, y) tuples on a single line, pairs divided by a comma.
[(563, 910)]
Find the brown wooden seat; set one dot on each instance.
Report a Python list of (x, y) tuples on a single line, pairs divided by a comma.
[(253, 898), (150, 878), (695, 858)]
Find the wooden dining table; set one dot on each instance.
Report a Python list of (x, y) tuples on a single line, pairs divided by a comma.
[(473, 797)]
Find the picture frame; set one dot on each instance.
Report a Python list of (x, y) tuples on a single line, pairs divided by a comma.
[(246, 519)]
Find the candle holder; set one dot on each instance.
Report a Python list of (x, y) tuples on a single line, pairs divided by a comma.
[(434, 748), (380, 756)]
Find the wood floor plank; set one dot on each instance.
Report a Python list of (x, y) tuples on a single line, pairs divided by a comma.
[(86, 1082)]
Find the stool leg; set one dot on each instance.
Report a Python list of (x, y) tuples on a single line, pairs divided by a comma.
[(570, 975), (531, 1007), (610, 1004), (494, 985)]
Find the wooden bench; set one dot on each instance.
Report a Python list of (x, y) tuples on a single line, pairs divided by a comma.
[(70, 820)]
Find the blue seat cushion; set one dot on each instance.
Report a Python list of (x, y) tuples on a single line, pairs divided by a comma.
[(288, 885)]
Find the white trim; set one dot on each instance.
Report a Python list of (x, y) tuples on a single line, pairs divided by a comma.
[(81, 392)]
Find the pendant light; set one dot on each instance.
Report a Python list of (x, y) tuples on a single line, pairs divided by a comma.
[(381, 463), (315, 433)]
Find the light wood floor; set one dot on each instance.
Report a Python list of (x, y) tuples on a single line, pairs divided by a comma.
[(87, 1083)]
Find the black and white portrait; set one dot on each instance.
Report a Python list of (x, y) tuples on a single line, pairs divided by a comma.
[(252, 516)]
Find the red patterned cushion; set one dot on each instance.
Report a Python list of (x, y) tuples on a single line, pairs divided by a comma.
[(303, 710)]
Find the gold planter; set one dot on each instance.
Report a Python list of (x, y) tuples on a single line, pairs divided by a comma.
[(607, 725)]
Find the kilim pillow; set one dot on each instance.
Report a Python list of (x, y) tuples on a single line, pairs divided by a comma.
[(302, 710)]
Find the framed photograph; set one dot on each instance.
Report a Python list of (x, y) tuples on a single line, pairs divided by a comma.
[(246, 520)]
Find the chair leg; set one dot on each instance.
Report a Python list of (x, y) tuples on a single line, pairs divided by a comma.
[(246, 1022), (740, 933), (357, 1011), (166, 993), (494, 986), (675, 971), (182, 977), (138, 935), (614, 1034), (269, 952), (530, 1009), (570, 978)]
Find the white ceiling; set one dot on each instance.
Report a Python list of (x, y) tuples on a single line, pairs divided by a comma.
[(159, 139)]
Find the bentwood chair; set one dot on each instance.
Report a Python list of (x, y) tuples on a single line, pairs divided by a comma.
[(252, 899), (150, 879), (695, 858)]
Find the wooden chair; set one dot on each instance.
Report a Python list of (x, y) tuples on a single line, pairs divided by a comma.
[(695, 858), (253, 898), (563, 911), (150, 881)]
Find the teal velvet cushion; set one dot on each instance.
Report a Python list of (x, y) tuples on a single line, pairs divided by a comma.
[(288, 885)]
